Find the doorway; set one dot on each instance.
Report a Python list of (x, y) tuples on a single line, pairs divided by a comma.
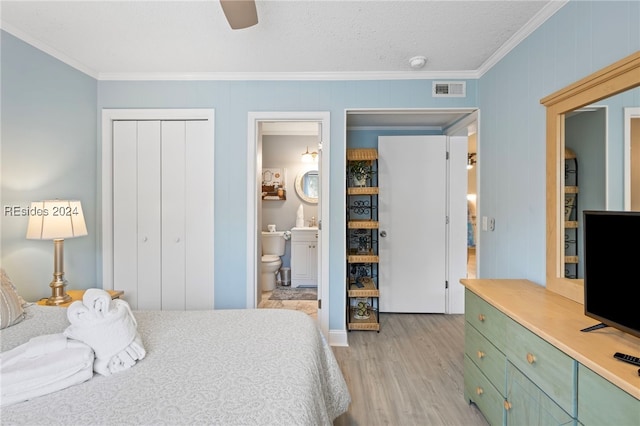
[(258, 122), (631, 158), (365, 126), (472, 203)]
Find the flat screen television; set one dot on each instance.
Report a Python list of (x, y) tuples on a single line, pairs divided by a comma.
[(612, 269)]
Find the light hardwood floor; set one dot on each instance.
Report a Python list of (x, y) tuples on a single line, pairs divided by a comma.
[(410, 373)]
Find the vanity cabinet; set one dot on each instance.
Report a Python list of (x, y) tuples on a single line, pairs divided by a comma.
[(362, 241), (527, 362), (304, 257)]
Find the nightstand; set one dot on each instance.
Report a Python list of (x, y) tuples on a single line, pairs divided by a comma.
[(77, 295)]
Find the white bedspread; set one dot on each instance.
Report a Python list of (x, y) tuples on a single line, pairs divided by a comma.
[(226, 367)]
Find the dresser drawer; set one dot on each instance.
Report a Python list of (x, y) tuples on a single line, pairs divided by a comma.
[(528, 405), (548, 367), (479, 390), (485, 318), (485, 356), (600, 402)]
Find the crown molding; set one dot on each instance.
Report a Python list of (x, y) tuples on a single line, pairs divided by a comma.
[(545, 13), (40, 45), (540, 18), (289, 76)]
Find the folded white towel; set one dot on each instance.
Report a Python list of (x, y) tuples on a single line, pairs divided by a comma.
[(97, 300), (43, 365), (109, 327)]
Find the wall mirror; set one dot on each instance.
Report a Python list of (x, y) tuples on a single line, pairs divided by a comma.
[(307, 185), (616, 78)]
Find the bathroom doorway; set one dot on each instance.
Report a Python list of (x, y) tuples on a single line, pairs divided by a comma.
[(276, 195)]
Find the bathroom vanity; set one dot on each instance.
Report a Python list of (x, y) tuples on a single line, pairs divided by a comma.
[(304, 256)]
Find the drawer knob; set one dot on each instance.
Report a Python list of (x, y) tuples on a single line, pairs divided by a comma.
[(507, 405), (481, 317), (479, 391), (481, 354), (531, 358)]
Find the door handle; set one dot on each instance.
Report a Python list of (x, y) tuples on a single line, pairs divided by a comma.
[(383, 234)]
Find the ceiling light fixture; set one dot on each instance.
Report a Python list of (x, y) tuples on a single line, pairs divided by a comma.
[(417, 62), (309, 157)]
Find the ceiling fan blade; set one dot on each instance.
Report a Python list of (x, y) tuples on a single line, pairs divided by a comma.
[(240, 13)]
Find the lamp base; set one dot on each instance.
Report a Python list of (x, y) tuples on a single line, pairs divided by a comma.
[(58, 295)]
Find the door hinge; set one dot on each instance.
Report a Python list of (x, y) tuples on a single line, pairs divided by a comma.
[(447, 157), (319, 303), (446, 284), (446, 220), (320, 225)]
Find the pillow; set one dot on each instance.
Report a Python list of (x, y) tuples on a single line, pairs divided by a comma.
[(11, 304)]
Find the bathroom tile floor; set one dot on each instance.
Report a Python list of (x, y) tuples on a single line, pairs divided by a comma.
[(310, 307)]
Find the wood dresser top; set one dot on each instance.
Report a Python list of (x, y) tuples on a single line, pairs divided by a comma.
[(559, 320)]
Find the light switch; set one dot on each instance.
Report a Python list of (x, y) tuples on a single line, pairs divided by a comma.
[(492, 224)]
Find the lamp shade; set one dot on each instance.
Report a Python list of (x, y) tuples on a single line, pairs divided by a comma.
[(56, 219), (309, 157)]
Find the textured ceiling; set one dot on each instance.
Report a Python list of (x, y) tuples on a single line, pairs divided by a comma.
[(118, 39)]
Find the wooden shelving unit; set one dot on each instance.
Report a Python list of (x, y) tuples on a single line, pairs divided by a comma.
[(571, 215), (362, 244)]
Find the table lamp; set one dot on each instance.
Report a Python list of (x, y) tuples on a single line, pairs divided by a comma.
[(56, 220)]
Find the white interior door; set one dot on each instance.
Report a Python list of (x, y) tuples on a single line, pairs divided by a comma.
[(412, 214)]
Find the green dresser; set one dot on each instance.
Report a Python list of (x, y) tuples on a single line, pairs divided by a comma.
[(517, 377), (484, 360), (602, 403)]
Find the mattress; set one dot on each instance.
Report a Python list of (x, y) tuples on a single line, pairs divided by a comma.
[(227, 367)]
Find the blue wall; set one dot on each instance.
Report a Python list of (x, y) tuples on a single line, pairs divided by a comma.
[(50, 147), (48, 151), (233, 101), (579, 39)]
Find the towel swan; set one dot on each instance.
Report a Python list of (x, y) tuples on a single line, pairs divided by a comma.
[(109, 327)]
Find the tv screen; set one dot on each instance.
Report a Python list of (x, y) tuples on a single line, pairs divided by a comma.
[(611, 268)]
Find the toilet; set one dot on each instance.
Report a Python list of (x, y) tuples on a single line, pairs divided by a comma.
[(273, 244)]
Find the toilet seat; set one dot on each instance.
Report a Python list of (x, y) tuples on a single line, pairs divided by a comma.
[(270, 258)]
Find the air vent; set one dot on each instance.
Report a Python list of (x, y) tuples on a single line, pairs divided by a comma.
[(450, 89)]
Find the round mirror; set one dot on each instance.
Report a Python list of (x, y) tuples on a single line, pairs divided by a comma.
[(307, 185)]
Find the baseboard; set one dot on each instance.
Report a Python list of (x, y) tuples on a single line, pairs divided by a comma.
[(338, 338)]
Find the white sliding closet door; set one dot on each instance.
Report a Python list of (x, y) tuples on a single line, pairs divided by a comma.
[(163, 214)]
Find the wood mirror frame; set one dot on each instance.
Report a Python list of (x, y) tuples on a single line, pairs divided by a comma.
[(616, 78)]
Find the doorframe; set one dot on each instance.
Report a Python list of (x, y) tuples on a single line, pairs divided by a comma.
[(629, 114), (465, 127), (110, 115), (461, 127), (254, 119)]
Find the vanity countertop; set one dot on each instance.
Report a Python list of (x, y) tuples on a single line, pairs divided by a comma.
[(304, 228)]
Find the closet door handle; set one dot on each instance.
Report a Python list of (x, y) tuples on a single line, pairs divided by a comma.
[(178, 240), (383, 234)]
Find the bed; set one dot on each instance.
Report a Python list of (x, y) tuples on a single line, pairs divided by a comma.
[(228, 367)]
